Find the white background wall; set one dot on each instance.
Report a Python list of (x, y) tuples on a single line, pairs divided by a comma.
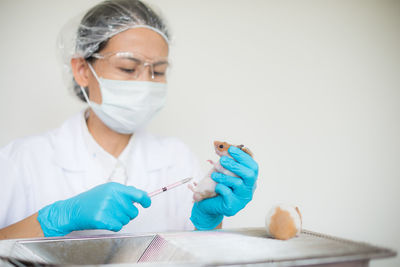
[(312, 87)]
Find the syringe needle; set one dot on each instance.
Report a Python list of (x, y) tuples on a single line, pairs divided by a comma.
[(168, 187)]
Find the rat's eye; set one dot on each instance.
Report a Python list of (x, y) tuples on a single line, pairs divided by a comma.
[(221, 146)]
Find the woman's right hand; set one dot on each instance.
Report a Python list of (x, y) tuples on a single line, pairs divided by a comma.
[(108, 206)]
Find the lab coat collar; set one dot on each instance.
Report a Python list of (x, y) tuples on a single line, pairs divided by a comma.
[(72, 154)]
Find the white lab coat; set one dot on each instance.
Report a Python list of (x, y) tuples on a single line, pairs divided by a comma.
[(39, 170)]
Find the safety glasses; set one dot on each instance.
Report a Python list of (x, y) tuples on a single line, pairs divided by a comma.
[(129, 66)]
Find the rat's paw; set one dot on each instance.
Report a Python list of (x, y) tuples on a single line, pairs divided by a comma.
[(197, 197)]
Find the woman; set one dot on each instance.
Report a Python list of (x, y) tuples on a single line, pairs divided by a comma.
[(86, 174)]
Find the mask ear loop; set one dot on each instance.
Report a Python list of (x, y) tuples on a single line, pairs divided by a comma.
[(85, 95), (83, 90), (94, 73)]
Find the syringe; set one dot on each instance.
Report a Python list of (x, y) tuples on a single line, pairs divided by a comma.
[(168, 187)]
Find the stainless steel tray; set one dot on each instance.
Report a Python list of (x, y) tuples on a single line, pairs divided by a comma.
[(246, 246)]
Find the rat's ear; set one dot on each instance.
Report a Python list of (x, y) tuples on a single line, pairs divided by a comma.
[(80, 70), (245, 149), (298, 212)]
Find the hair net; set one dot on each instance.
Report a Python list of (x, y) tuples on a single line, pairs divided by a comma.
[(87, 34)]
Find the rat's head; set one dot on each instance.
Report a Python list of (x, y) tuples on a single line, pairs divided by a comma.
[(221, 148)]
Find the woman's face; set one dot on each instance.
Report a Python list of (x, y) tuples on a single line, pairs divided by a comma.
[(137, 45)]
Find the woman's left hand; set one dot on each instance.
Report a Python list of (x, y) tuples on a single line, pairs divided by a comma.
[(233, 192)]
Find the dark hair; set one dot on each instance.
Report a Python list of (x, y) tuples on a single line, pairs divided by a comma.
[(105, 20)]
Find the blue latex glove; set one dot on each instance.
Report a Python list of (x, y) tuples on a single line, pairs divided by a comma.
[(108, 206), (233, 192)]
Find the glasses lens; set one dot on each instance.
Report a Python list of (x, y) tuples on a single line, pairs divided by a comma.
[(126, 66), (160, 70)]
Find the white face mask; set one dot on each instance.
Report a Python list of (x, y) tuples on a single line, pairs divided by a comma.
[(127, 105)]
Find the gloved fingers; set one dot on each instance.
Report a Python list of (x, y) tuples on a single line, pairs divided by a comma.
[(248, 175), (224, 191), (233, 182), (243, 158), (129, 208), (112, 225), (124, 200), (209, 205), (204, 216), (137, 195), (120, 216)]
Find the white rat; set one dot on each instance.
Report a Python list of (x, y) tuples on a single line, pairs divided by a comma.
[(206, 187)]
